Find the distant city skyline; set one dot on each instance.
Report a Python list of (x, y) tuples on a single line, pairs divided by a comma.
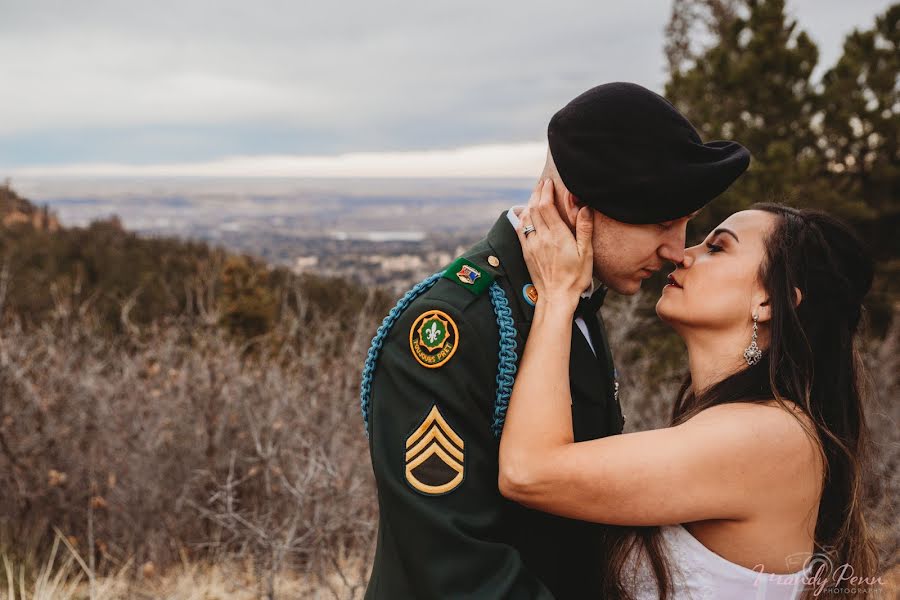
[(357, 89)]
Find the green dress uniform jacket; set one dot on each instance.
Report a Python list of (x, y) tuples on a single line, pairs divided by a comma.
[(445, 531)]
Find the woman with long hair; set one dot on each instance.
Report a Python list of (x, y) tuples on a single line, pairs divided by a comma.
[(753, 490)]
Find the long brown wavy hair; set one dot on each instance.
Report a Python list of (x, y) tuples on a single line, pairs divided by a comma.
[(811, 360)]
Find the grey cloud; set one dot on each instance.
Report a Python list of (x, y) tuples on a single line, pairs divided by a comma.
[(361, 75)]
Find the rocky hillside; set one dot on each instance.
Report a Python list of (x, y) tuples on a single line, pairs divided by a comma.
[(15, 210)]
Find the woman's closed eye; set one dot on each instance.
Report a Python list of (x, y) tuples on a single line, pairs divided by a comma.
[(713, 248)]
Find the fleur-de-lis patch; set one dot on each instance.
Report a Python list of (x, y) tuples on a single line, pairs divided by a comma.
[(435, 456), (434, 334), (433, 338)]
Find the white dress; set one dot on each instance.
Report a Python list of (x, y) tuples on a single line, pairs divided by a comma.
[(698, 573)]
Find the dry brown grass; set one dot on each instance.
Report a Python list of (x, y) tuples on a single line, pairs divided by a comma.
[(64, 577), (179, 463), (182, 444)]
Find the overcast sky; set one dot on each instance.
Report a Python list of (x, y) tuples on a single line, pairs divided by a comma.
[(200, 86)]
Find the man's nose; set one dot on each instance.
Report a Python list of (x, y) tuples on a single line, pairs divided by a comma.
[(673, 247), (673, 252)]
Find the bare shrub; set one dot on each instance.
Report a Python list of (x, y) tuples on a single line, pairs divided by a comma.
[(648, 379), (179, 444), (880, 355), (181, 441)]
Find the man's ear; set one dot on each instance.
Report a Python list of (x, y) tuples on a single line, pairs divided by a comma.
[(568, 207)]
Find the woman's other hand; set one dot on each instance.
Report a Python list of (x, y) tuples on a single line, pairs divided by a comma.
[(560, 264)]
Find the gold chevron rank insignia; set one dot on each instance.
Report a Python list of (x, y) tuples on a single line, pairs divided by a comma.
[(435, 456)]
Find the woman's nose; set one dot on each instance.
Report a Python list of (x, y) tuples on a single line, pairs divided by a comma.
[(688, 259)]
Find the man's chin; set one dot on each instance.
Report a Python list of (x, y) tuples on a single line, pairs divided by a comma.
[(626, 287)]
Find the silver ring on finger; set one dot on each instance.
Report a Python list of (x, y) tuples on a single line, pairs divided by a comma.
[(528, 229)]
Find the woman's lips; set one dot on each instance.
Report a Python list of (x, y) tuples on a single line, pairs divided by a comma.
[(672, 281)]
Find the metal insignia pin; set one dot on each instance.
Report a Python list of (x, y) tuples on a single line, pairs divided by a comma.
[(468, 275), (529, 292)]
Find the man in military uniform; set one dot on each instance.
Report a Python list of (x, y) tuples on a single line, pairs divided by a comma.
[(441, 367)]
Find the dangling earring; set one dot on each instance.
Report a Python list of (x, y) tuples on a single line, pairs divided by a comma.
[(752, 354)]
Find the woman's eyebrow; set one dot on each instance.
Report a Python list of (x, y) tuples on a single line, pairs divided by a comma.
[(728, 231)]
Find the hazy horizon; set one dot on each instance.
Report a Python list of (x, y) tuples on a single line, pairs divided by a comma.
[(224, 88)]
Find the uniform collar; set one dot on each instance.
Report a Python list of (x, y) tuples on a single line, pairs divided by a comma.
[(503, 242), (596, 285)]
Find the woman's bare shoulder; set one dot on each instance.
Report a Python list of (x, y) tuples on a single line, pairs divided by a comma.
[(757, 409), (772, 427)]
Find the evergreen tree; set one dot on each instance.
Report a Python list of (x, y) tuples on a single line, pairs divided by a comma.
[(831, 144), (860, 126), (753, 85), (860, 104)]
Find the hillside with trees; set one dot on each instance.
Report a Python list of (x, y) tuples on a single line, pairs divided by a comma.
[(163, 400), (124, 281)]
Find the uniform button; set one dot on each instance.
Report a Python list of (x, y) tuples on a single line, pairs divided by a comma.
[(493, 261)]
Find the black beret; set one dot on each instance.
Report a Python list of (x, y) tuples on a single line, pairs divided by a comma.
[(627, 152)]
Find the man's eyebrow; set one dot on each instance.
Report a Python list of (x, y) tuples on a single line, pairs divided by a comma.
[(728, 231)]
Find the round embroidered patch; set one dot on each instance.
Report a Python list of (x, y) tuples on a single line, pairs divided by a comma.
[(530, 293), (433, 338)]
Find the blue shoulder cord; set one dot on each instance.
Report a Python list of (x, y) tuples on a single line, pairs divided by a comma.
[(506, 368)]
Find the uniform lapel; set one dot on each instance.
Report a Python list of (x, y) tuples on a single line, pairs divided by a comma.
[(504, 244), (587, 373)]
